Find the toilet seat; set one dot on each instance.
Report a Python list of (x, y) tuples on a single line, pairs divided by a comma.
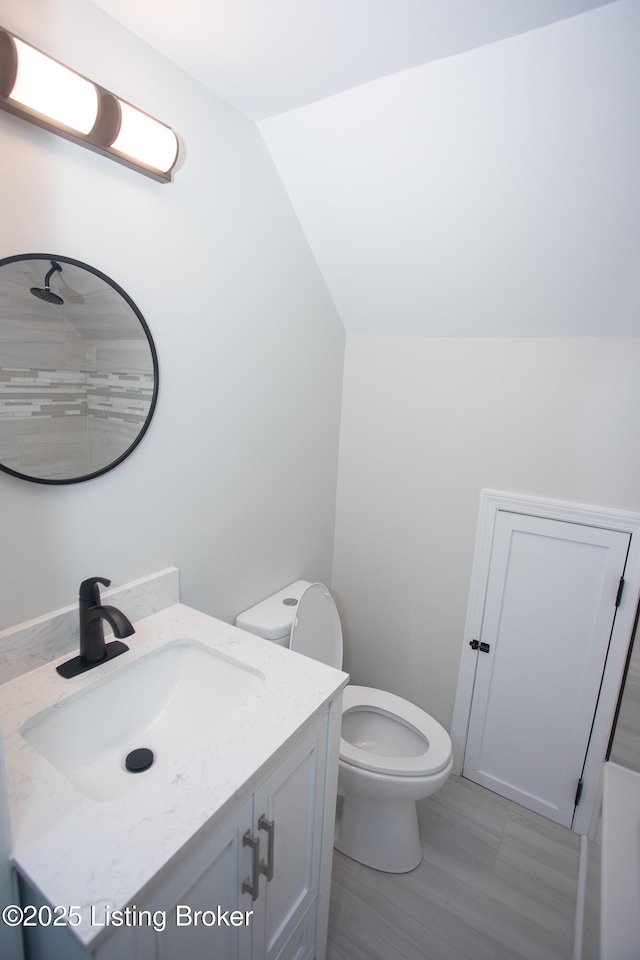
[(316, 632), (436, 755)]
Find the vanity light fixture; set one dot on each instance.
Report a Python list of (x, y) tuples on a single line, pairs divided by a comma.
[(38, 88)]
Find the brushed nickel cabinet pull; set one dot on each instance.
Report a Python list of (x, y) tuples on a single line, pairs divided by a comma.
[(270, 828), (252, 886)]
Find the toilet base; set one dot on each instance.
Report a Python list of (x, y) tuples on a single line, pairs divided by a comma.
[(381, 835)]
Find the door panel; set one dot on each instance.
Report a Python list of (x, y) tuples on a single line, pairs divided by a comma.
[(203, 880), (548, 616), (292, 800)]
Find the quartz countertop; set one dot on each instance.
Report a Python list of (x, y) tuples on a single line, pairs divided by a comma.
[(94, 853)]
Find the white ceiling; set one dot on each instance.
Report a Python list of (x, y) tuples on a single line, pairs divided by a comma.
[(269, 56), (459, 167)]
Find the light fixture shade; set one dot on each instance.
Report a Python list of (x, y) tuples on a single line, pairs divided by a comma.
[(145, 140), (55, 92), (37, 88)]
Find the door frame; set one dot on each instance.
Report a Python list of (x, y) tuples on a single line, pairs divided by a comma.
[(492, 501)]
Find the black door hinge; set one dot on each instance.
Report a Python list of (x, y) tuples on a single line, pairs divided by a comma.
[(619, 593), (578, 793), (476, 645)]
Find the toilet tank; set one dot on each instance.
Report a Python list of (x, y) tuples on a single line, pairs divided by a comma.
[(273, 618)]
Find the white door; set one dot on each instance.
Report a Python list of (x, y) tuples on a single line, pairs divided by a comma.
[(549, 610)]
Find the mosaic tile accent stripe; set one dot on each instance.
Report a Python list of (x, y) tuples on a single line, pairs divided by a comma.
[(42, 393), (119, 396), (60, 393)]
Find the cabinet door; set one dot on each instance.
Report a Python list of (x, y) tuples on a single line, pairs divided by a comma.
[(549, 611), (204, 889), (292, 802)]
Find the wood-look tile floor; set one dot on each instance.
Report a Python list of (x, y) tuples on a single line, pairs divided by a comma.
[(497, 882)]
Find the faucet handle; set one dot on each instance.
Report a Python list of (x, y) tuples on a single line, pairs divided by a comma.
[(90, 591)]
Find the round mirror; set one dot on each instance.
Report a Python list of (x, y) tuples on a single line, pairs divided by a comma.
[(78, 370)]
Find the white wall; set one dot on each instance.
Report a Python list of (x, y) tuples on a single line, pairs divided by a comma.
[(494, 193), (427, 423), (489, 195), (235, 480)]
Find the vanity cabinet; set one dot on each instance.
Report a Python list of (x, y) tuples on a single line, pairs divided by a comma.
[(260, 869), (251, 885)]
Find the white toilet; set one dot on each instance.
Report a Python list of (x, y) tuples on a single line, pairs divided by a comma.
[(392, 753)]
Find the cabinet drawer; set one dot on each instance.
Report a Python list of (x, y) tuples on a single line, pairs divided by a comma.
[(301, 944)]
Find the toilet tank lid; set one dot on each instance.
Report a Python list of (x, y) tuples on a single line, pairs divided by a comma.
[(273, 618)]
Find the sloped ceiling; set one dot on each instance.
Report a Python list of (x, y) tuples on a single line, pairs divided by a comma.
[(459, 167), (268, 56)]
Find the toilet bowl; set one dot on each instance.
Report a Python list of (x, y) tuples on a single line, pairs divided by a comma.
[(392, 753)]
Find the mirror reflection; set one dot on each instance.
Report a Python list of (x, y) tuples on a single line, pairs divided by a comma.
[(78, 370)]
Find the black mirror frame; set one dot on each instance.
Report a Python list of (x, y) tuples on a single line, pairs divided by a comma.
[(154, 356)]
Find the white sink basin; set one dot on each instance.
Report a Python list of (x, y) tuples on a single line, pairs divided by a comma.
[(169, 702)]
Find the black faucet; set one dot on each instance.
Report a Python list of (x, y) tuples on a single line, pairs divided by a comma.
[(93, 649)]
